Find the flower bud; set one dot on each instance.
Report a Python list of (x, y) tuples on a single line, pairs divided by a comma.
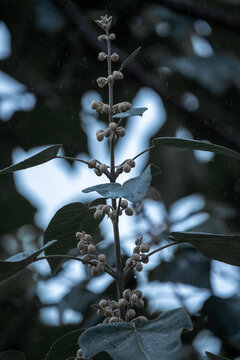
[(141, 318), (98, 215), (131, 163), (91, 249), (100, 136), (127, 293), (98, 172), (112, 36), (140, 304), (144, 248), (114, 305), (88, 238), (79, 353), (126, 168), (113, 319), (101, 81), (131, 313), (106, 321), (139, 267), (100, 267), (122, 107), (102, 56), (138, 293), (106, 108), (81, 245), (124, 204), (85, 259), (121, 131), (122, 302), (144, 259), (136, 257), (110, 79), (129, 211), (128, 261), (102, 37), (113, 126), (106, 209), (103, 303), (94, 104), (103, 168), (128, 105), (102, 258), (107, 132), (100, 313), (114, 57), (134, 298), (117, 75), (92, 163), (113, 216), (94, 271), (78, 235)]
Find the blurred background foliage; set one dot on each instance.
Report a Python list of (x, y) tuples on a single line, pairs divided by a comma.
[(191, 58)]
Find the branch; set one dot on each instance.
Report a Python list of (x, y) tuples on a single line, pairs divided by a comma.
[(197, 11)]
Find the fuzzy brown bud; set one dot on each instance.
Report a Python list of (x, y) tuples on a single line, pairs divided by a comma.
[(113, 216), (103, 168), (113, 319), (100, 313), (140, 304), (106, 209), (102, 37), (102, 258), (80, 245), (136, 257), (113, 126), (122, 107), (94, 271), (139, 267), (98, 172), (78, 235), (129, 211), (94, 104), (103, 303), (121, 131), (110, 79), (134, 298), (138, 293), (112, 36), (107, 132), (98, 215), (117, 75), (126, 168), (131, 163), (92, 163), (102, 81), (131, 313), (114, 57), (100, 136), (124, 204), (127, 293), (91, 249), (144, 248), (128, 105), (102, 56), (106, 108), (100, 267)]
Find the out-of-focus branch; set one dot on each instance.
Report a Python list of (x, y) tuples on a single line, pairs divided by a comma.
[(201, 121), (214, 17)]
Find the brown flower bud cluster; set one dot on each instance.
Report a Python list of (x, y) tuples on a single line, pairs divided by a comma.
[(99, 168), (139, 255), (126, 166), (100, 107), (116, 75), (102, 210), (121, 107), (124, 207), (89, 252), (112, 129), (110, 309), (105, 22)]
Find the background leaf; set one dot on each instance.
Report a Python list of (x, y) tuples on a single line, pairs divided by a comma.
[(132, 112), (19, 261), (225, 248), (134, 189), (158, 338), (38, 159), (12, 355), (63, 227), (195, 145), (65, 347)]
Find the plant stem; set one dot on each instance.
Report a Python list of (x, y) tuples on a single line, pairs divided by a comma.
[(71, 158), (108, 268), (119, 269), (162, 248), (148, 149)]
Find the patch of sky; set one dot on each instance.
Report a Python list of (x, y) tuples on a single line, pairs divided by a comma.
[(5, 41), (51, 315), (206, 341), (202, 28), (224, 279)]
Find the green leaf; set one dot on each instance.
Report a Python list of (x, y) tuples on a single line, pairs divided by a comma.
[(63, 227), (177, 270), (12, 355), (65, 347), (142, 340), (195, 145), (14, 264), (132, 112), (96, 202), (40, 158), (130, 58), (134, 189), (225, 248), (215, 357)]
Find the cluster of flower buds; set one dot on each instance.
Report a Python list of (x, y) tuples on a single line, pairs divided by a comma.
[(99, 168), (100, 107), (121, 107), (112, 37), (116, 75), (103, 56), (102, 210), (139, 255), (105, 22), (89, 252), (127, 209), (111, 309), (112, 129), (126, 166)]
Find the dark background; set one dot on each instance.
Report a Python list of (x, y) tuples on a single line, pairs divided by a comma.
[(54, 47)]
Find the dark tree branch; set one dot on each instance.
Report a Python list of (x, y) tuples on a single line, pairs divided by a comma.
[(197, 11), (201, 121)]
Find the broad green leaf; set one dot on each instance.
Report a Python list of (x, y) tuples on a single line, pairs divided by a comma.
[(225, 248), (134, 189), (195, 145), (130, 58), (38, 159), (14, 264), (177, 270), (143, 340), (96, 202), (132, 112), (63, 227), (12, 355), (65, 347), (215, 357)]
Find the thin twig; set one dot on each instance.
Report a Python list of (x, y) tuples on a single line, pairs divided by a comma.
[(162, 248), (148, 149), (71, 158)]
